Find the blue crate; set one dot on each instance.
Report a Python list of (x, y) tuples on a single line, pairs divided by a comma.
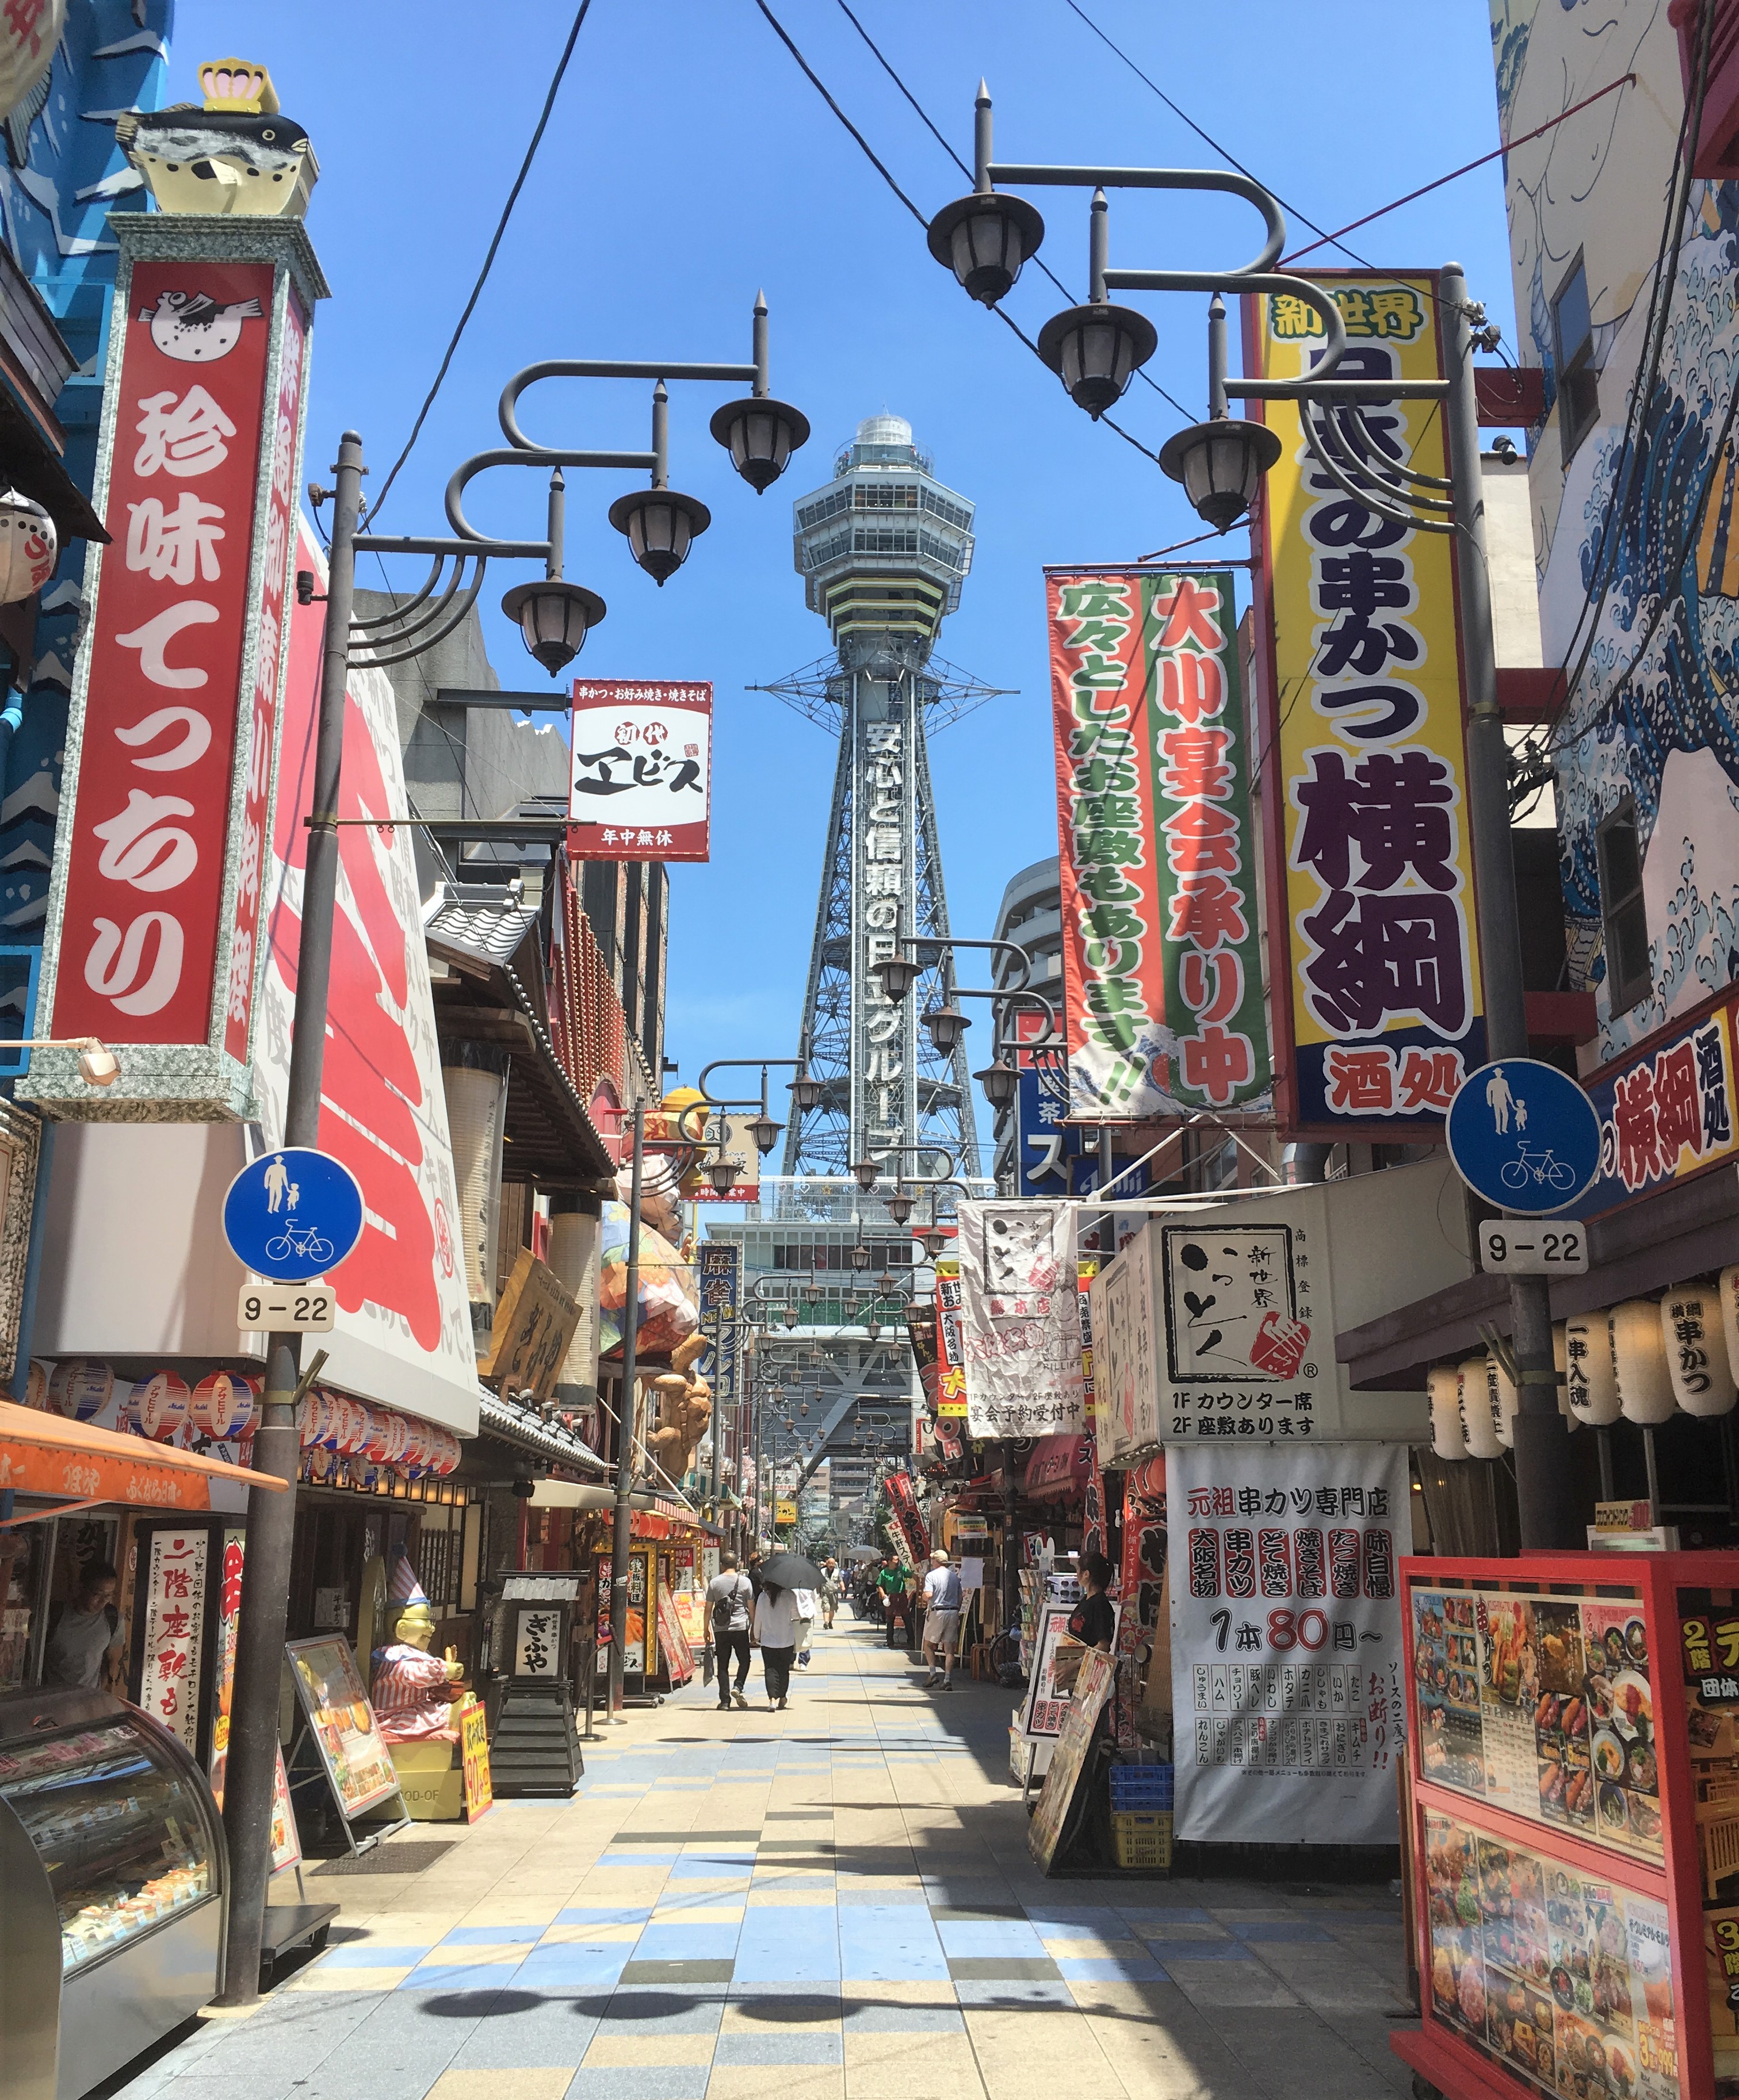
[(1139, 1787)]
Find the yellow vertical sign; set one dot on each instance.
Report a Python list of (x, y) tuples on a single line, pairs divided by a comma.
[(1375, 956)]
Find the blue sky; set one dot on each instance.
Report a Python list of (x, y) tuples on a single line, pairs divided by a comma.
[(688, 162)]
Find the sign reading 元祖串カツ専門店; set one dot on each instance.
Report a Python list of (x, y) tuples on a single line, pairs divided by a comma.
[(1161, 965), (1374, 959), (640, 777)]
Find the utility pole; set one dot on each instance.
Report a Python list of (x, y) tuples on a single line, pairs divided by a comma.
[(250, 1771), (1544, 1489), (626, 1415)]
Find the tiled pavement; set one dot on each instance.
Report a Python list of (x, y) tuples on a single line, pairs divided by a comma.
[(833, 1903)]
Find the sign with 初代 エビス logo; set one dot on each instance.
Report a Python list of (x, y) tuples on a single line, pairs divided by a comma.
[(1524, 1135), (293, 1215), (640, 777)]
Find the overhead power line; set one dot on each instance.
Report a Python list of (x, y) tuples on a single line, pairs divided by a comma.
[(488, 261)]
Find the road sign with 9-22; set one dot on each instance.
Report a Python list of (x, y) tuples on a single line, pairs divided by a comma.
[(284, 1308), (1529, 1247)]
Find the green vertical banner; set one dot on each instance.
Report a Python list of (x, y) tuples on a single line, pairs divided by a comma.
[(1162, 964)]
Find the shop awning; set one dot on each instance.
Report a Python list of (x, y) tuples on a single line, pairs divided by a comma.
[(43, 1454), (1058, 1468)]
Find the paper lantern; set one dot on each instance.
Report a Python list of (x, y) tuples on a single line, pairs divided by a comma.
[(36, 1384), (1638, 1362), (1505, 1400), (1478, 1413), (221, 1403), (1691, 1334), (1729, 1297), (310, 1412), (379, 1436), (415, 1453), (29, 547), (160, 1405), (324, 1466), (354, 1433), (1443, 1384), (364, 1472), (1560, 1359), (1592, 1390), (449, 1454), (79, 1388)]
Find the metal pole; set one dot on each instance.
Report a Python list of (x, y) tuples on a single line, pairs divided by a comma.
[(1544, 1491), (982, 153), (625, 1430), (557, 526), (251, 1769), (1098, 247)]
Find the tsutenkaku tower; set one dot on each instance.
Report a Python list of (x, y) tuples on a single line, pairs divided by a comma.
[(883, 550)]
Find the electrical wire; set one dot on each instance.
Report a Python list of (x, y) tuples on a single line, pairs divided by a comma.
[(1044, 268), (880, 167), (488, 261)]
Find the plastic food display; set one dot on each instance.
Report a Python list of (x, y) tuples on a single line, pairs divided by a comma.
[(1573, 1755)]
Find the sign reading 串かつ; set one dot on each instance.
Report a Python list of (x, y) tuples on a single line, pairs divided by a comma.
[(641, 782), (1375, 965), (1160, 961), (1287, 1649)]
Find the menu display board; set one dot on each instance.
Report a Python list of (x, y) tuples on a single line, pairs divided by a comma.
[(1565, 1977), (341, 1722), (1543, 1706)]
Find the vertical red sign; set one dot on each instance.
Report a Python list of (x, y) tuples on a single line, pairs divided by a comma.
[(140, 934)]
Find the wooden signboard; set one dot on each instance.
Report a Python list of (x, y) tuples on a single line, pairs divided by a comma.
[(534, 1323), (1092, 1688)]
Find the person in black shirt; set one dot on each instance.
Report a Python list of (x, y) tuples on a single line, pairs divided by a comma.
[(1093, 1620)]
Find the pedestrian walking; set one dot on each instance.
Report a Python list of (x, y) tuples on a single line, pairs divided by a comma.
[(731, 1599), (754, 1569), (806, 1608), (942, 1621), (830, 1592), (891, 1582), (775, 1634)]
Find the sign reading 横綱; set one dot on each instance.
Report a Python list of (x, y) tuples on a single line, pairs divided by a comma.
[(1160, 961), (641, 782), (1286, 1650), (1375, 962), (153, 934), (1666, 1113), (1020, 1322)]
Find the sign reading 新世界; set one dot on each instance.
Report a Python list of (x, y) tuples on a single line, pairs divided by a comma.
[(1374, 964), (640, 777), (1161, 959)]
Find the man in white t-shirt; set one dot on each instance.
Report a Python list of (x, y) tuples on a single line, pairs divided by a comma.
[(942, 1621)]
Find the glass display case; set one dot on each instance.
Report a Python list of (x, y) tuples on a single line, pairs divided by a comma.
[(113, 1858)]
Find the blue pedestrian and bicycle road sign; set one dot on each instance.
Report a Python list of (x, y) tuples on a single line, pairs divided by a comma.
[(293, 1215), (1524, 1135)]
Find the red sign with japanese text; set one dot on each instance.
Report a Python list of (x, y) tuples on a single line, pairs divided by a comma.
[(140, 938), (641, 784)]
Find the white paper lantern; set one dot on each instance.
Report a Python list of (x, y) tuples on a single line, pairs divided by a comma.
[(1729, 1297), (159, 1405), (1443, 1385), (325, 1468), (356, 1428), (364, 1472), (379, 1436), (1697, 1351), (29, 547), (79, 1388), (1504, 1402), (447, 1456), (221, 1403), (1479, 1413), (1638, 1362), (1560, 1358), (1588, 1374), (308, 1420)]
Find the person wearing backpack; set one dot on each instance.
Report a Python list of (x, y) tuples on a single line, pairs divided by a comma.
[(942, 1621), (730, 1597)]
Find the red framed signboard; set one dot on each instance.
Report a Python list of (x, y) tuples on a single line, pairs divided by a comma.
[(1573, 1734), (640, 774)]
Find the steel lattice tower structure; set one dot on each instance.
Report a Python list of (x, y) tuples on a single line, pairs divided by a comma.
[(883, 551)]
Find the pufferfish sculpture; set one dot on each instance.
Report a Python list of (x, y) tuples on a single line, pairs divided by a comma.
[(237, 156)]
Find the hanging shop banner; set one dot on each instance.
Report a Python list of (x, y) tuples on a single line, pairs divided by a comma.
[(720, 1268), (642, 779), (922, 1329), (1161, 965), (1121, 1313), (951, 1369), (905, 1520), (152, 938), (1021, 1327), (1287, 1646), (1667, 1114), (1375, 963), (175, 1631)]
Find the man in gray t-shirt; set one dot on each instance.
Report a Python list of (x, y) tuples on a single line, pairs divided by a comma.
[(730, 1596), (86, 1628)]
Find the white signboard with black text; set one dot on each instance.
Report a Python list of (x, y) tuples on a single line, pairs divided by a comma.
[(1286, 1688), (1020, 1326)]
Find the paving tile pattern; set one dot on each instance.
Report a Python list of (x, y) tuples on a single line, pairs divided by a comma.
[(833, 1903)]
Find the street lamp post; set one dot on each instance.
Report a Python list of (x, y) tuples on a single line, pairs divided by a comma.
[(554, 616), (985, 239)]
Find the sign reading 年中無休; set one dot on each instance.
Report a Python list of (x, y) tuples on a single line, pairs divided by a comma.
[(1374, 964), (1161, 959), (641, 777)]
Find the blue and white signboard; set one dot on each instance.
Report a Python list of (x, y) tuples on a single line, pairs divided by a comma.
[(1524, 1135), (293, 1215)]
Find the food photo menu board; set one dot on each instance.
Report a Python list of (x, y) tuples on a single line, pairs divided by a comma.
[(1563, 1978), (1542, 1705)]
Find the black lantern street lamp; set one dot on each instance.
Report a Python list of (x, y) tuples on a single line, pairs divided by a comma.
[(1000, 1081), (722, 1174), (898, 974), (765, 1131), (1095, 350), (760, 433), (947, 1026), (554, 618), (985, 238), (660, 525), (899, 1208)]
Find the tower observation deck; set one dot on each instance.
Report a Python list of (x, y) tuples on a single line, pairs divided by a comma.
[(883, 550)]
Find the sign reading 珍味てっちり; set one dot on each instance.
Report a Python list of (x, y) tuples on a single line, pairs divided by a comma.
[(1161, 960), (1374, 961), (641, 782), (153, 928)]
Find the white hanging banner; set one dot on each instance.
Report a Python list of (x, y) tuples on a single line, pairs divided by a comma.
[(1285, 1640), (1020, 1339)]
